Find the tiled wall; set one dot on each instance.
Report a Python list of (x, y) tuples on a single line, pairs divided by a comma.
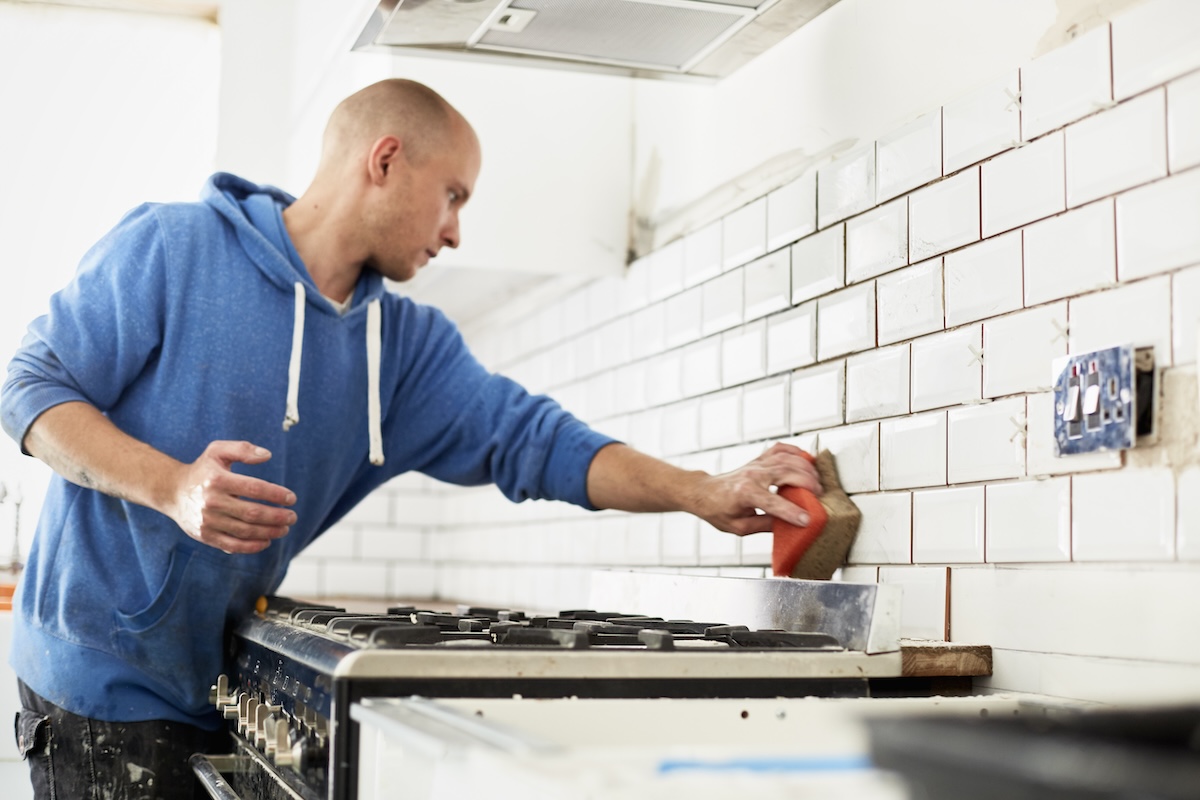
[(899, 306)]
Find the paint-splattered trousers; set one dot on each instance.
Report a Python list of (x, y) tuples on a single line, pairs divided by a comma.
[(77, 758)]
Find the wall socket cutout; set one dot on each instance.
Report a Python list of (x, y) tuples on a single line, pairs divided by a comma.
[(1104, 400)]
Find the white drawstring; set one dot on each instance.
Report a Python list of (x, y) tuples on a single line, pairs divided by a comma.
[(292, 415), (374, 336), (374, 347)]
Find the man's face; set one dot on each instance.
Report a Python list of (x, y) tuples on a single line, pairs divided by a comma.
[(420, 214)]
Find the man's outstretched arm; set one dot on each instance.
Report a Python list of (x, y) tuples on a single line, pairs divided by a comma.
[(625, 479)]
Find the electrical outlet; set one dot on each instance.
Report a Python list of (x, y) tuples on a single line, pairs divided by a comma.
[(1104, 400)]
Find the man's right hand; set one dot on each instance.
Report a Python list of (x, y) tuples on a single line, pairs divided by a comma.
[(231, 512)]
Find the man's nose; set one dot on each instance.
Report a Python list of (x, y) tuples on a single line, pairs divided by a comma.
[(450, 233)]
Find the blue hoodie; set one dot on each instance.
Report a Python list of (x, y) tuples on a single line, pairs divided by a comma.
[(193, 322)]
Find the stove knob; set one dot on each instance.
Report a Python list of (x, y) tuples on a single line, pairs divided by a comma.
[(246, 714), (232, 710), (258, 728), (218, 693), (279, 746)]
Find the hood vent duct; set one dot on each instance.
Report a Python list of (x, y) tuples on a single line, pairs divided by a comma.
[(680, 39)]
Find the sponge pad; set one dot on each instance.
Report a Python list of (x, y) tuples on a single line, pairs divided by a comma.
[(817, 550)]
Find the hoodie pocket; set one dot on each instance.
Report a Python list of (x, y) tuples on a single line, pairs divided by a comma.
[(177, 641)]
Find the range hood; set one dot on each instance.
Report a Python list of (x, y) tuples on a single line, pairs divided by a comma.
[(679, 39)]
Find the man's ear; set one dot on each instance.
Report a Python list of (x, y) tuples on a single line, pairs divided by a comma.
[(384, 154)]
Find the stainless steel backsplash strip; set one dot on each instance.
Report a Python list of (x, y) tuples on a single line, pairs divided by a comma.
[(862, 616)]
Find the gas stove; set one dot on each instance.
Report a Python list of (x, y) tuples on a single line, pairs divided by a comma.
[(296, 668)]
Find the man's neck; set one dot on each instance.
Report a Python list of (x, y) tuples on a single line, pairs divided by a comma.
[(330, 257)]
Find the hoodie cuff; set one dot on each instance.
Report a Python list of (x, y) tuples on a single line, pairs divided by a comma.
[(574, 447)]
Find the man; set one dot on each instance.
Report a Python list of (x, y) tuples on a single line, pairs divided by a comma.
[(222, 382)]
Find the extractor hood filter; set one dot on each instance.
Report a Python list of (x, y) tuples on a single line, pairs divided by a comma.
[(644, 38)]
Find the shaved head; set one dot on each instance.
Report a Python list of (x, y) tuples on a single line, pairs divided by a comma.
[(410, 111)]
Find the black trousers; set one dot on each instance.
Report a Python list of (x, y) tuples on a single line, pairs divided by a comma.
[(77, 758)]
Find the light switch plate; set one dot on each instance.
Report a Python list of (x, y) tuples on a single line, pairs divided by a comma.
[(1104, 400)]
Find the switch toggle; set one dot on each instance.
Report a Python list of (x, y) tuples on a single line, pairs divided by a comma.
[(1104, 400)]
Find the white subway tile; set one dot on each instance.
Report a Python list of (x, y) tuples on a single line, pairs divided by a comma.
[(743, 354), (681, 428), (1023, 185), (984, 280), (986, 442), (744, 235), (910, 302), (805, 441), (1020, 349), (375, 508), (631, 381), (721, 419), (680, 545), (819, 264), (1118, 149), (731, 458), (877, 384), (856, 575), (645, 431), (701, 367), (1185, 314), (702, 254), (303, 579), (846, 321), (1138, 314), (948, 525), (1154, 43), (1156, 226), (909, 157), (1029, 521), (1065, 84), (982, 123), (643, 540), (1187, 514), (765, 409), (412, 581), (664, 379), (575, 312), (856, 449), (817, 396), (946, 368), (1041, 457), (912, 451), (1183, 122), (634, 294), (792, 338), (792, 211), (768, 284), (612, 345), (846, 186), (885, 533), (603, 298), (757, 551), (648, 331), (1124, 516), (1080, 610), (354, 579), (1070, 254), (723, 302), (718, 548), (924, 600), (877, 241), (944, 216), (684, 316), (664, 273)]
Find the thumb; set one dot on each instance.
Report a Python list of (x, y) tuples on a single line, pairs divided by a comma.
[(244, 452)]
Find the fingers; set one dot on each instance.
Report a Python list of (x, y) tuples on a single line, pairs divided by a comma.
[(234, 513)]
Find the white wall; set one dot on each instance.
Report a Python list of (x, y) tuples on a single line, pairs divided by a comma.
[(899, 305)]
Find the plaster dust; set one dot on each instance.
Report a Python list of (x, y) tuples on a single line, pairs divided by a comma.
[(1177, 422)]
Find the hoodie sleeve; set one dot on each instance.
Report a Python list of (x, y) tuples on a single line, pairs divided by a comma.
[(100, 332), (473, 427)]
